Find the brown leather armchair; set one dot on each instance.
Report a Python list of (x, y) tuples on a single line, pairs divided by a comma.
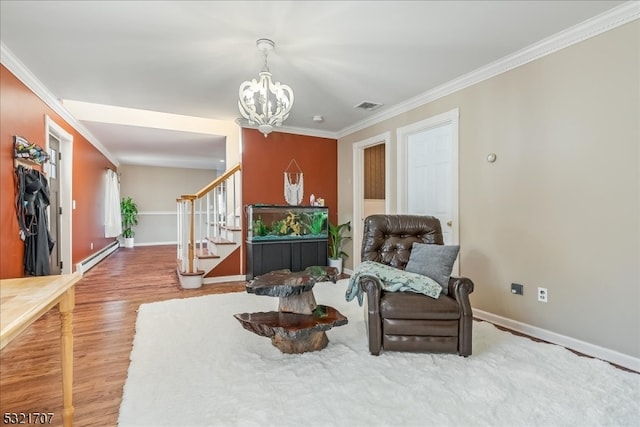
[(408, 321)]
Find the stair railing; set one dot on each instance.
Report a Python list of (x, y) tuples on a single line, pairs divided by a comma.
[(205, 214)]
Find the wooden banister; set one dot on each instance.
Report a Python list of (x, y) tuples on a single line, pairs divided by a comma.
[(213, 184), (187, 239)]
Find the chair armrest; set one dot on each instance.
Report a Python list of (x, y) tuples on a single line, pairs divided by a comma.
[(372, 286), (459, 289)]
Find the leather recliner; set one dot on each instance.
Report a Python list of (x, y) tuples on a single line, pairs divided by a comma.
[(408, 321)]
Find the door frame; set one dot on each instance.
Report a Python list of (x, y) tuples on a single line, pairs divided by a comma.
[(65, 174), (358, 187), (448, 118)]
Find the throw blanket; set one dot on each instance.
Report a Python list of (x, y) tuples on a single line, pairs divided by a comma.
[(392, 280)]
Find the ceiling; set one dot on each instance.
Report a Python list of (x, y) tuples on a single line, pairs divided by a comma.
[(189, 57)]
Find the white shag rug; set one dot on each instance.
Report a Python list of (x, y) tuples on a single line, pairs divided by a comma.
[(193, 364)]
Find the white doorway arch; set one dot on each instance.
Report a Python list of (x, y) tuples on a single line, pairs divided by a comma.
[(358, 187), (65, 175)]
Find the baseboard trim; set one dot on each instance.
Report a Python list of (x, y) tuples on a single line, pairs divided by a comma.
[(87, 263), (583, 347), (222, 279), (155, 243)]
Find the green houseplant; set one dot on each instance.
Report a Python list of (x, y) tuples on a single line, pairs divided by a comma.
[(129, 211), (337, 238)]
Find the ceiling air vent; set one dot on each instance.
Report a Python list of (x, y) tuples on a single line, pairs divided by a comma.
[(368, 105)]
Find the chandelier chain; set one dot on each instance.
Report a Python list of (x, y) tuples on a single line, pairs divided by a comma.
[(265, 53)]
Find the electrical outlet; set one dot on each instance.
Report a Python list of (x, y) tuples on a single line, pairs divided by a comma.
[(517, 289), (91, 246), (543, 295)]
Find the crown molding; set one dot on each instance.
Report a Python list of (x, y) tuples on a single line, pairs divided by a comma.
[(293, 130), (13, 64), (307, 132), (620, 15)]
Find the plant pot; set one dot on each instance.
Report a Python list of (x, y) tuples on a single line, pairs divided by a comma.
[(128, 242), (337, 263)]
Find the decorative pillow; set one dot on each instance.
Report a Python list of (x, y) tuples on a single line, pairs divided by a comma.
[(434, 261)]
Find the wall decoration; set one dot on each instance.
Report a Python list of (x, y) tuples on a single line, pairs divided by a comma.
[(293, 184)]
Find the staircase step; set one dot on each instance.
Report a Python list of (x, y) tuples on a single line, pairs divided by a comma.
[(195, 273), (204, 253), (220, 241), (231, 228), (184, 273)]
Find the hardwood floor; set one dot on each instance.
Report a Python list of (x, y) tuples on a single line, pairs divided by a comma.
[(107, 300)]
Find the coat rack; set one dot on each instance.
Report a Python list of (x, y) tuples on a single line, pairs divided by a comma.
[(28, 154)]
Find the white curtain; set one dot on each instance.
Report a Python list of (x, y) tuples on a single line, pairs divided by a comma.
[(112, 216)]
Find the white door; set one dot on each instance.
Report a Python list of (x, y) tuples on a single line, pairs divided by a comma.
[(428, 171), (429, 190)]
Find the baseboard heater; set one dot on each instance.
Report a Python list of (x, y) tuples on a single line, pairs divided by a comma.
[(87, 263)]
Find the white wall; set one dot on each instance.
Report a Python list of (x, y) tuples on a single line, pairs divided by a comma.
[(155, 190), (373, 206)]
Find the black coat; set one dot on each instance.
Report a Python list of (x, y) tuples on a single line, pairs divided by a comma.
[(32, 204)]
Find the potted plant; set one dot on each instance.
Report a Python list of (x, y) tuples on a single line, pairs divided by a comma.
[(336, 240), (129, 211)]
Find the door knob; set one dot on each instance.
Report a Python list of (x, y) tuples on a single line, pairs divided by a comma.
[(449, 223)]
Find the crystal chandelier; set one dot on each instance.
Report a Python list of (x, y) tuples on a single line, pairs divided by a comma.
[(263, 102)]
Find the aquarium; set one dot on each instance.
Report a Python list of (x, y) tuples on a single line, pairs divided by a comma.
[(282, 222)]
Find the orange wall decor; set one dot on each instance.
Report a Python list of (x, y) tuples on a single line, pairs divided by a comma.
[(264, 161), (23, 113)]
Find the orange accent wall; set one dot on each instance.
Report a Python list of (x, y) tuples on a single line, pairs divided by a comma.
[(230, 266), (23, 113), (264, 161)]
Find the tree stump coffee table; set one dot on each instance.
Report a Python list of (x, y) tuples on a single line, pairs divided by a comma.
[(300, 324)]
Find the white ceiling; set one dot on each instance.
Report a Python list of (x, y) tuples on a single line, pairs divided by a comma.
[(189, 57)]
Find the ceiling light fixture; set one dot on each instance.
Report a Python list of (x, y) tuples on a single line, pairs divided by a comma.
[(263, 102)]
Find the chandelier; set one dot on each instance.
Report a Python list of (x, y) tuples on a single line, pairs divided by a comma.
[(263, 102)]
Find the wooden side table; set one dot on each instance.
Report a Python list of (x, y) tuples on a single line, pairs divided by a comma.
[(300, 324), (24, 300)]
